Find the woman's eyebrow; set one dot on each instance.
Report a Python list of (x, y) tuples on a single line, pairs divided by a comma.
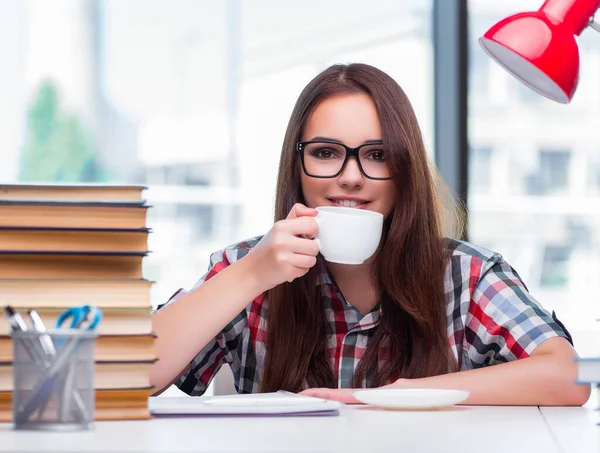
[(319, 137)]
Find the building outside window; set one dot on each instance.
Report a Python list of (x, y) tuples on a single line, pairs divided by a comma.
[(541, 213)]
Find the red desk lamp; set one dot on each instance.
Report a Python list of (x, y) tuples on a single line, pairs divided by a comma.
[(540, 48)]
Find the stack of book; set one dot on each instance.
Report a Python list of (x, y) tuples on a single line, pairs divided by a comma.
[(69, 245)]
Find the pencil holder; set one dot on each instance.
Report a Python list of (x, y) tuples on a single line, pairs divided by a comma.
[(53, 379)]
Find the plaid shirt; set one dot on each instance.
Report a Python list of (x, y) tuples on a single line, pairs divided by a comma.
[(491, 319)]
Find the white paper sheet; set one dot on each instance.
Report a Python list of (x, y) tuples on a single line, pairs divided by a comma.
[(276, 403)]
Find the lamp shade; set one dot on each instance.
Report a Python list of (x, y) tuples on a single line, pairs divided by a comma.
[(540, 48)]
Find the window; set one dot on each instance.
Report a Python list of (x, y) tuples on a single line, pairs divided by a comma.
[(555, 266), (188, 97), (542, 212), (479, 74), (552, 176), (480, 170), (526, 94), (594, 176)]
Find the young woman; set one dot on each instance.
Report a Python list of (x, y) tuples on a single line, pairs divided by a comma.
[(425, 311)]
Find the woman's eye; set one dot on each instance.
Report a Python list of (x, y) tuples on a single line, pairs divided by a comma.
[(378, 156), (324, 153)]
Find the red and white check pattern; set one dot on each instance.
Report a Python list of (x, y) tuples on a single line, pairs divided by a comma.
[(492, 319)]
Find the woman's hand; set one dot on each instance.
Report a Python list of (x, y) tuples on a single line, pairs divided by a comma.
[(287, 250), (346, 396)]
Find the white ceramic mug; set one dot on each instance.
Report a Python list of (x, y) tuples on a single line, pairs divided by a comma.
[(348, 235)]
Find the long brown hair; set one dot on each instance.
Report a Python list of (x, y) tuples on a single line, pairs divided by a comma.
[(409, 267)]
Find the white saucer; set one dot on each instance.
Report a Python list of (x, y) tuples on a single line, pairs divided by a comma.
[(411, 398)]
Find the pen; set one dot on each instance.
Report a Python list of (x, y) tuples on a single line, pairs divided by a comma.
[(47, 346), (18, 324), (45, 340), (15, 320)]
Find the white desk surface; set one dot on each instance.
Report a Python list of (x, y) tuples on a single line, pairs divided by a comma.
[(575, 429), (357, 429)]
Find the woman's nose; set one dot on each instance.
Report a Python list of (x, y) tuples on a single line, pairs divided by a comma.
[(351, 175)]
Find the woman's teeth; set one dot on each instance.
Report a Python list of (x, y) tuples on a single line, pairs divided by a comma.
[(347, 203)]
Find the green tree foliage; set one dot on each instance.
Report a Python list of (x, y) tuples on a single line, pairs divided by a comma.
[(58, 146)]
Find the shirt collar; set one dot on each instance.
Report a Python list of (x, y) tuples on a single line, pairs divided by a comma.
[(324, 278)]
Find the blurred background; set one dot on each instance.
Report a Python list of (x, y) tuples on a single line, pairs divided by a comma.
[(192, 97)]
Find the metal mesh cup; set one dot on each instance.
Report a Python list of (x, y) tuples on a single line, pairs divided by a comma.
[(53, 379)]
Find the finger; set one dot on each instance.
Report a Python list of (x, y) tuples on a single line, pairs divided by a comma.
[(310, 392), (299, 210), (324, 393), (302, 226), (343, 395), (304, 246), (297, 273), (303, 262)]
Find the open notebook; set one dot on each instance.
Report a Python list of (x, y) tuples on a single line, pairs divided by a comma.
[(276, 403)]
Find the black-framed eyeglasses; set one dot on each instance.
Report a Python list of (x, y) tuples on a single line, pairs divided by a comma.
[(327, 159)]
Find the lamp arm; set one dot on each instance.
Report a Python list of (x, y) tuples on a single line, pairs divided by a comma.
[(593, 24)]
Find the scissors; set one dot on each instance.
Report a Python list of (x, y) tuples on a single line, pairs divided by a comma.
[(84, 318)]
